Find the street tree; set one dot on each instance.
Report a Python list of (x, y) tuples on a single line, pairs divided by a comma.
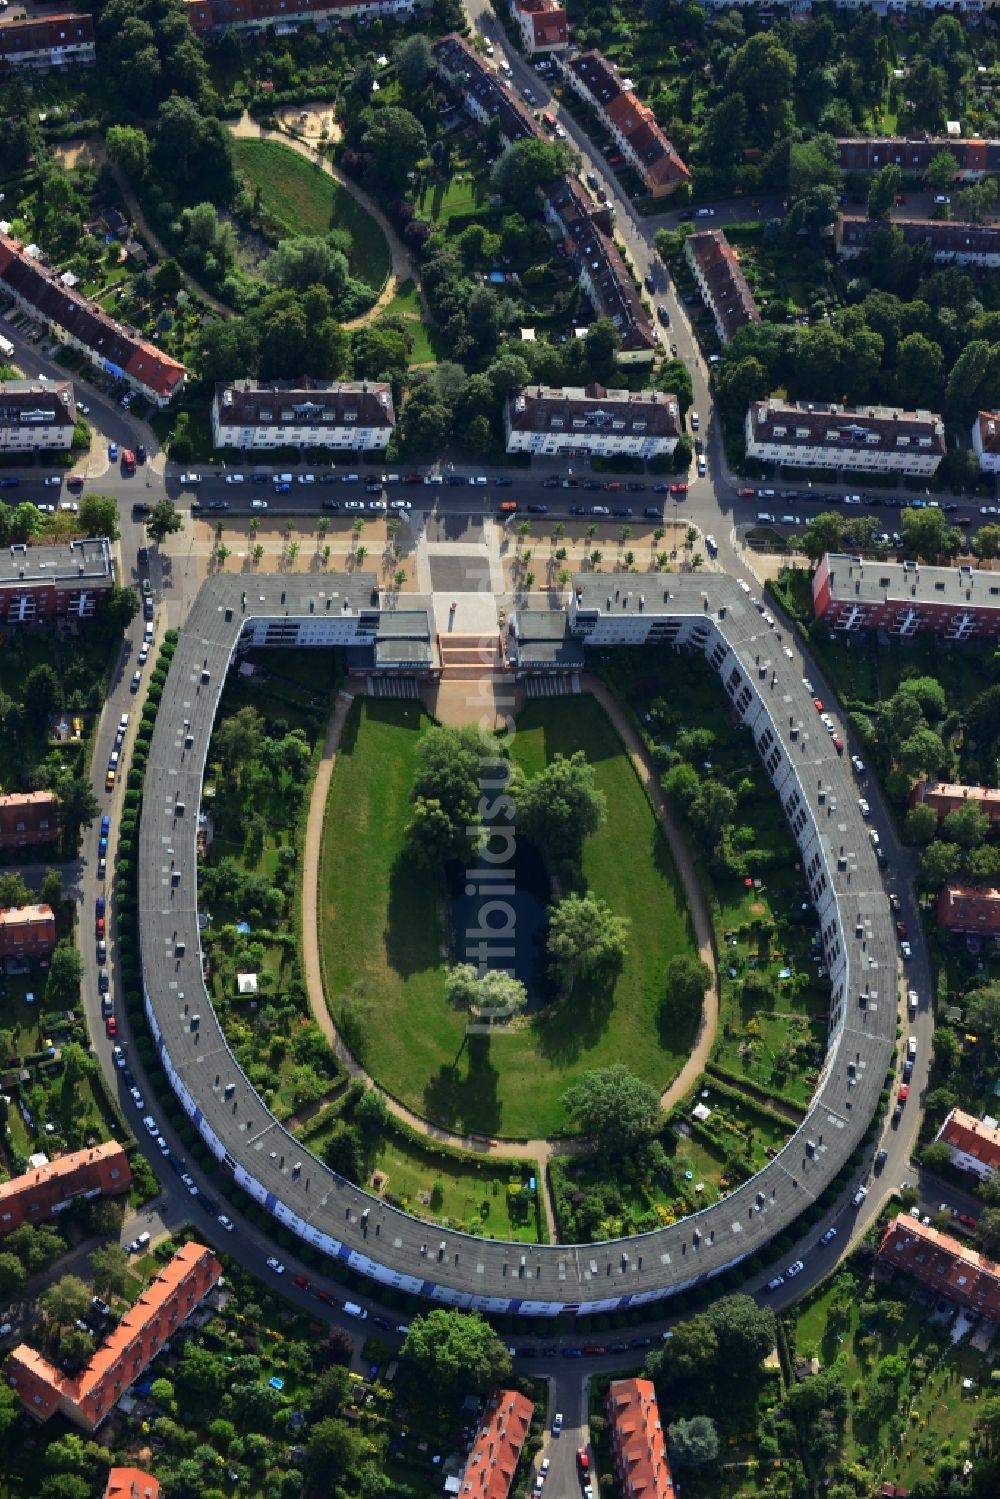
[(64, 1302), (614, 1108), (824, 533), (446, 1353), (163, 520), (985, 545), (942, 171), (882, 190), (560, 806), (921, 824), (99, 516), (12, 1275), (494, 990), (693, 1442), (585, 938), (108, 1269), (119, 608), (927, 534)]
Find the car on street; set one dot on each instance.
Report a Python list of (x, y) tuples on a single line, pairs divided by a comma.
[(745, 492), (859, 765), (779, 1280), (905, 950), (650, 284), (307, 478), (279, 488), (275, 1265), (190, 478), (235, 479), (859, 1196), (139, 1244), (258, 504), (679, 488), (583, 1459), (557, 1423), (904, 1092), (663, 315), (967, 1220), (864, 808), (118, 1056), (227, 1223), (301, 1282), (829, 1236), (795, 1268), (111, 1026)]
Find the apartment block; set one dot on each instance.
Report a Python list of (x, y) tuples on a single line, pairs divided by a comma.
[(914, 154), (86, 1399), (859, 439), (27, 932), (971, 912), (41, 43), (354, 416), (949, 243), (631, 123), (986, 441), (36, 418), (638, 1441), (906, 598), (601, 272), (46, 1191), (723, 286), (214, 17), (944, 797), (496, 1448), (28, 818), (974, 1143), (574, 421), (45, 582), (50, 297), (944, 1264), (542, 25)]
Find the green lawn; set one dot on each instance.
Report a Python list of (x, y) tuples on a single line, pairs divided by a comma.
[(385, 934), (462, 194), (307, 201), (406, 304)]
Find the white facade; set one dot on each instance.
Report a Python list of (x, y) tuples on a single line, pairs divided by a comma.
[(36, 418), (551, 34), (804, 446), (609, 423), (354, 417), (986, 441)]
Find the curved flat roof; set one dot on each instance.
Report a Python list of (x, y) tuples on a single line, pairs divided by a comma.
[(815, 787)]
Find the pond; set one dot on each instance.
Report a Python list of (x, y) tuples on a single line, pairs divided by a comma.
[(498, 917)]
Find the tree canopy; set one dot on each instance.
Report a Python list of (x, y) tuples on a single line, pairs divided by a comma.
[(560, 806), (614, 1107), (449, 1353), (585, 938)]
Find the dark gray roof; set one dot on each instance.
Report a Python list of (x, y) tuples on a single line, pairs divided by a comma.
[(284, 403), (30, 403), (81, 563), (547, 408), (878, 429), (813, 785), (858, 582)]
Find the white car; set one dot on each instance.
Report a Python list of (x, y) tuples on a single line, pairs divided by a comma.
[(53, 481), (151, 1125), (477, 479), (258, 504), (865, 809), (235, 479), (275, 1265), (906, 951), (307, 478), (164, 1147), (227, 1223), (788, 652), (809, 686), (190, 478), (143, 658), (557, 1423), (137, 1098), (795, 1268), (859, 765), (859, 1196), (874, 837)]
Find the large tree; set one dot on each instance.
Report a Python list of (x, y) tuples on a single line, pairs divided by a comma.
[(447, 1353), (109, 1269), (745, 1333), (585, 937), (494, 990), (561, 806), (688, 981), (448, 774), (64, 1302), (163, 520), (824, 533), (395, 141), (99, 516), (62, 987), (525, 167), (614, 1108), (693, 1442)]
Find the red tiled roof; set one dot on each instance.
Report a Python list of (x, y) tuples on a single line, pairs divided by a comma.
[(962, 908), (131, 1483), (496, 1450), (945, 797), (972, 1137), (30, 1198), (988, 423), (86, 1398), (945, 1264), (637, 1436), (46, 33)]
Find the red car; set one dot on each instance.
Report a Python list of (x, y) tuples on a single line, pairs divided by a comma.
[(818, 704), (111, 1025), (613, 484), (327, 1296), (678, 489), (746, 492), (99, 927), (901, 931), (583, 1458), (300, 1280), (967, 1219), (904, 1092)]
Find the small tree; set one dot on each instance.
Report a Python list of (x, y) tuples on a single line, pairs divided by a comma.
[(163, 520), (65, 1301), (694, 1442), (495, 990), (585, 938)]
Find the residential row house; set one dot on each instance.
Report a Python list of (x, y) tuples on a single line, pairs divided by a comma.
[(968, 911), (578, 421), (51, 298), (46, 1191), (541, 24), (66, 580), (638, 1440), (957, 603), (27, 932), (631, 123), (858, 439), (914, 154), (943, 1264), (131, 1483), (947, 242), (974, 1143), (602, 273), (44, 42), (353, 416), (944, 797), (215, 17), (986, 441), (36, 418), (28, 819), (497, 1446), (87, 1399), (724, 288)]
